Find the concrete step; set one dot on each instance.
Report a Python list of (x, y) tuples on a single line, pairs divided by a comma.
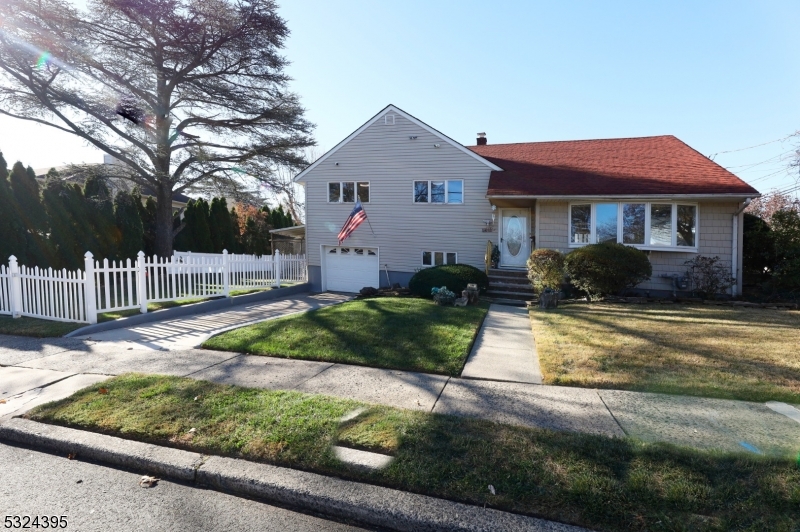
[(509, 302), (515, 284), (517, 274), (507, 294)]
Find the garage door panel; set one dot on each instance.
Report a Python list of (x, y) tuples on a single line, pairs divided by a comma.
[(351, 271)]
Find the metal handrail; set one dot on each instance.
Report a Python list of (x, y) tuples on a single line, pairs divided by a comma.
[(488, 256)]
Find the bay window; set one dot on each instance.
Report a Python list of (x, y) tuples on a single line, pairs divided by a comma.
[(633, 223), (657, 225)]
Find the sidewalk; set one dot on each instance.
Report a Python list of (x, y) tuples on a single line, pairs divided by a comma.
[(48, 369), (692, 421)]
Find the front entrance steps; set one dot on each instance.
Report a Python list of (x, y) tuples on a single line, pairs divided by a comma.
[(509, 286)]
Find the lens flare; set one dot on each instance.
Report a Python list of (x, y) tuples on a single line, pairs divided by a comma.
[(43, 60)]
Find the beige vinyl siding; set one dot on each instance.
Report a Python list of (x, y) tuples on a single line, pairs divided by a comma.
[(553, 225), (384, 156), (715, 230)]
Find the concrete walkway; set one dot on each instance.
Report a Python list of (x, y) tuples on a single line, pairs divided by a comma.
[(503, 350)]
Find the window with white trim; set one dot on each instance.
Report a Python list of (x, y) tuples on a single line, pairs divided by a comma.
[(346, 191), (647, 225), (439, 191), (437, 258)]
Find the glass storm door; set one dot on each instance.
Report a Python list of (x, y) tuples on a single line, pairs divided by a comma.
[(515, 245)]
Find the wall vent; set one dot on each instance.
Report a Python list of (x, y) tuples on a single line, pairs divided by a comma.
[(388, 120)]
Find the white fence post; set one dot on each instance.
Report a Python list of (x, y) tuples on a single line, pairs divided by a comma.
[(226, 274), (141, 282), (276, 262), (15, 283), (89, 288)]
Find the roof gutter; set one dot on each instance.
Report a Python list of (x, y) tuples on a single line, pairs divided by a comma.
[(622, 196), (735, 258)]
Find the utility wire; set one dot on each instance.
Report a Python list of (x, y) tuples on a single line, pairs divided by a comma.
[(755, 146)]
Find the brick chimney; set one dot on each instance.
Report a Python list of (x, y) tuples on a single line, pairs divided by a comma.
[(481, 139)]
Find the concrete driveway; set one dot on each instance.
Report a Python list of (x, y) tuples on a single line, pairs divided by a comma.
[(34, 371), (188, 332)]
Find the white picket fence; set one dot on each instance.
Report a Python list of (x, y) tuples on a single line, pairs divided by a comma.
[(111, 286)]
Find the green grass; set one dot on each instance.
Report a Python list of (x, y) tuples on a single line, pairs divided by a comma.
[(151, 307), (389, 332), (35, 327), (725, 352), (606, 484), (39, 328)]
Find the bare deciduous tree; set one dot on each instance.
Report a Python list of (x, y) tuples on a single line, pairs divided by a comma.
[(180, 92)]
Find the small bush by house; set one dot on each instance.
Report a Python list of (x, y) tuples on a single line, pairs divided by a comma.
[(455, 277), (546, 269), (607, 268), (708, 276)]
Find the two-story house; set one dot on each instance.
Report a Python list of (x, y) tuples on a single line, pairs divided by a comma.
[(430, 200)]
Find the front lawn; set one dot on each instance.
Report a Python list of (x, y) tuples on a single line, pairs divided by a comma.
[(724, 352), (605, 484), (389, 332)]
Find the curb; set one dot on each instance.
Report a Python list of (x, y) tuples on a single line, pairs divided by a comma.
[(187, 310), (364, 503)]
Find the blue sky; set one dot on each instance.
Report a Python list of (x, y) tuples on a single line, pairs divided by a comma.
[(719, 75)]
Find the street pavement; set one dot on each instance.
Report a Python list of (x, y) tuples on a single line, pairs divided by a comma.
[(94, 497)]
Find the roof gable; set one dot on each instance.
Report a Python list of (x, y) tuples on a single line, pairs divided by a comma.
[(662, 165), (388, 110)]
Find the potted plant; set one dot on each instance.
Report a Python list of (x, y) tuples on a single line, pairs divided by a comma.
[(443, 296), (495, 256)]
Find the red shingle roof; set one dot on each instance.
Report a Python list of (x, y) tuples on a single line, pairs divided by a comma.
[(634, 166)]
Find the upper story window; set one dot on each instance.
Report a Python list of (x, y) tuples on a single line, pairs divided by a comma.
[(347, 191), (662, 225), (439, 191)]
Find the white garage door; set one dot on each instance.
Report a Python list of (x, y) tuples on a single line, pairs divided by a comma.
[(351, 269)]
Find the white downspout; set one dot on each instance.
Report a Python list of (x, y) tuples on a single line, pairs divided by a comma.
[(735, 248)]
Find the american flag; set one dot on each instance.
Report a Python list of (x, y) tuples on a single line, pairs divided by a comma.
[(355, 219)]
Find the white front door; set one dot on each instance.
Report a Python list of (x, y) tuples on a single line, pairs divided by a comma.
[(515, 245)]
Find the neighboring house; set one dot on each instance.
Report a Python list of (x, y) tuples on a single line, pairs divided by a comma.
[(429, 200)]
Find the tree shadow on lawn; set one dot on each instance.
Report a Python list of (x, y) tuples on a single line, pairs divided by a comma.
[(402, 333), (593, 481), (668, 351)]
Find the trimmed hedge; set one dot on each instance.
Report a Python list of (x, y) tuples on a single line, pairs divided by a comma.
[(607, 268), (455, 277)]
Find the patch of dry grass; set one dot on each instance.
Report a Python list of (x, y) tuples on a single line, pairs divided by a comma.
[(724, 352)]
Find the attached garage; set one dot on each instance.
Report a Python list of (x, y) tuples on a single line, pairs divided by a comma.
[(349, 269)]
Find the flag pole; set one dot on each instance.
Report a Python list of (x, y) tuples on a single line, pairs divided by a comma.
[(367, 217)]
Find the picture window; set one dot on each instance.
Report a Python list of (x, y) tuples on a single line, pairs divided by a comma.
[(647, 225)]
